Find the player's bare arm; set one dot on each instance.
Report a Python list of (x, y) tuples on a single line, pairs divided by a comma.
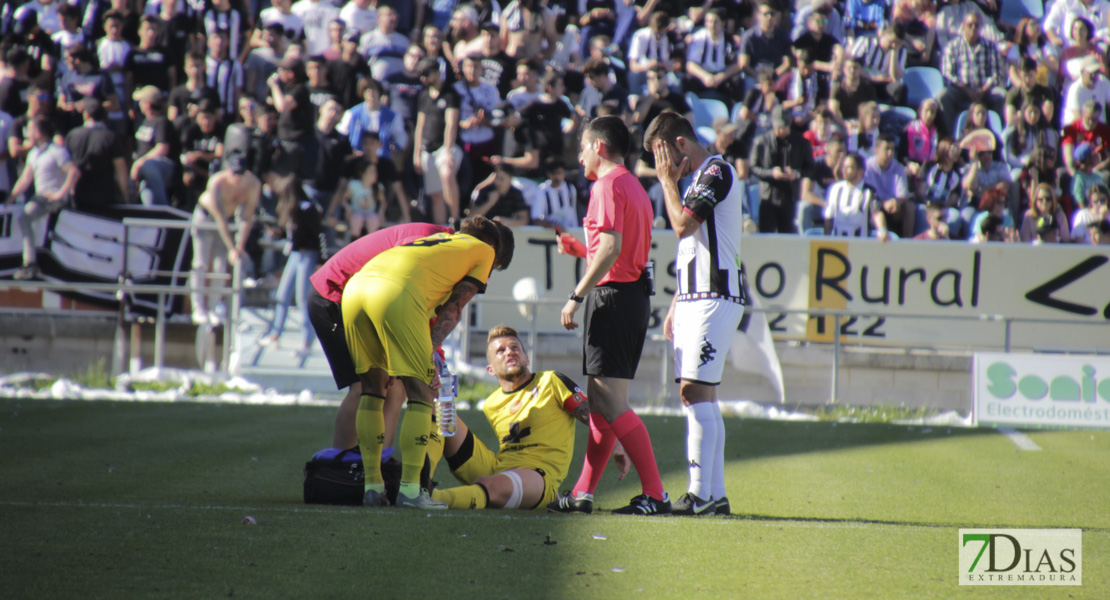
[(608, 249), (449, 313)]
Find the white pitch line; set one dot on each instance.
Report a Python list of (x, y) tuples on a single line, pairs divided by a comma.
[(1019, 439)]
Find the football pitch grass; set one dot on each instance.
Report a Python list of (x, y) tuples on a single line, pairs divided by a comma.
[(143, 500)]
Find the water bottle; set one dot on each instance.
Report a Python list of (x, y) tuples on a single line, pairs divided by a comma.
[(445, 403)]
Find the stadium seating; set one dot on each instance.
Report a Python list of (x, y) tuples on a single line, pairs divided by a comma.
[(994, 122), (922, 83), (706, 110), (706, 135)]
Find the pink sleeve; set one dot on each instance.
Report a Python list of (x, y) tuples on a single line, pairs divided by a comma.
[(609, 218)]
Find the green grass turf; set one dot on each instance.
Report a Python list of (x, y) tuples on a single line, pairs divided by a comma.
[(123, 500)]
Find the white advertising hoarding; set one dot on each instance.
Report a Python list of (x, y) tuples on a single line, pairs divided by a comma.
[(889, 282), (1041, 390)]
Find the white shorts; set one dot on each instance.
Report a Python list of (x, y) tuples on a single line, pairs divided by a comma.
[(431, 162), (703, 331)]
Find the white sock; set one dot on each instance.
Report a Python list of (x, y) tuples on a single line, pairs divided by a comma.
[(718, 454), (701, 441)]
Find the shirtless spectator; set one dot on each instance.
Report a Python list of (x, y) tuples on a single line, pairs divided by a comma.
[(525, 26), (232, 191)]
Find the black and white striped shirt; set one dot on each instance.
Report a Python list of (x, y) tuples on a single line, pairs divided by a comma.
[(713, 56), (708, 262), (230, 22), (646, 46), (849, 207), (940, 185), (556, 205), (872, 57), (226, 77)]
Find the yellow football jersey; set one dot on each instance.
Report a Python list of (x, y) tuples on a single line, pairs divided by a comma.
[(532, 425), (430, 267)]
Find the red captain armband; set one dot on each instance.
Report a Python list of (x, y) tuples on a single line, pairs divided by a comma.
[(570, 245), (574, 400)]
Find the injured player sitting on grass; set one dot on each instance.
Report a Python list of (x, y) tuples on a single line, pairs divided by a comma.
[(533, 416)]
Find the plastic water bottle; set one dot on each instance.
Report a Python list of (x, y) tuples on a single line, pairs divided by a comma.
[(445, 403)]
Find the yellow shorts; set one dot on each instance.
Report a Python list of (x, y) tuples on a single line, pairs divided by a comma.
[(386, 329), (483, 462)]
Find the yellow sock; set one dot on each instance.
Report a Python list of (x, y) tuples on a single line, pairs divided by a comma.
[(370, 425), (414, 442), (465, 497), (435, 449)]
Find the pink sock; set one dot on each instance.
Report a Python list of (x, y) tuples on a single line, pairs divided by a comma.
[(598, 450), (630, 430)]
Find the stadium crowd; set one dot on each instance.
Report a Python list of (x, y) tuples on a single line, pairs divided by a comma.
[(393, 111)]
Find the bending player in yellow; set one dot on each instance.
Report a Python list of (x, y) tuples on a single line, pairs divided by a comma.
[(533, 416), (386, 309)]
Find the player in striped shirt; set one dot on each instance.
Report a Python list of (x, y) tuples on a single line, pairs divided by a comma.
[(709, 302)]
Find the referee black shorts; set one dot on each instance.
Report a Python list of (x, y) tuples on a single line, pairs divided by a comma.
[(327, 320), (616, 322)]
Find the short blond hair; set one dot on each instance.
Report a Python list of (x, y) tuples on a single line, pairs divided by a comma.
[(501, 331)]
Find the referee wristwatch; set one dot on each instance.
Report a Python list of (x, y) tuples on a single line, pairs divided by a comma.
[(578, 299)]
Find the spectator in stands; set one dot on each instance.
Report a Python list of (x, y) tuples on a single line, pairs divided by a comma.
[(755, 112), (942, 182), (550, 117), (1085, 177), (852, 207), (1029, 42), (1095, 211), (404, 87), (834, 27), (918, 19), (194, 88), (555, 203), (498, 69), (824, 49), (289, 94), (436, 154), (1091, 85), (1065, 12), (371, 116), (950, 23), (1025, 134), (888, 178), (1087, 128), (224, 72), (528, 84), (1027, 89), (361, 16), (1082, 47), (711, 68), (973, 70), (99, 154), (919, 142), (201, 147), (384, 47), (650, 47), (500, 199), (326, 167), (84, 79), (984, 174), (14, 80), (464, 38), (883, 59), (432, 41), (317, 16), (40, 102), (826, 172), (765, 44), (525, 26), (347, 71), (848, 93), (600, 89), (658, 98), (477, 101), (221, 17), (280, 13), (783, 162), (54, 176), (319, 88), (1045, 222), (156, 148), (802, 90), (993, 222), (863, 134), (865, 18), (150, 64), (1098, 233), (938, 228)]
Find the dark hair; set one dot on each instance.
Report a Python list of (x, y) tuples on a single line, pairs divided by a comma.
[(886, 137), (427, 66), (553, 164), (487, 231), (45, 126), (990, 224), (367, 84), (549, 79), (508, 246), (112, 15), (612, 132), (505, 168), (659, 20), (595, 67), (1086, 25), (802, 55), (855, 157), (1028, 64), (67, 10), (317, 59), (668, 127)]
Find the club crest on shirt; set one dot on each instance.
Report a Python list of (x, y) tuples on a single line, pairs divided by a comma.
[(714, 171)]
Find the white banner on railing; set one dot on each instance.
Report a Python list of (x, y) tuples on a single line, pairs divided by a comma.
[(890, 281), (1041, 390)]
